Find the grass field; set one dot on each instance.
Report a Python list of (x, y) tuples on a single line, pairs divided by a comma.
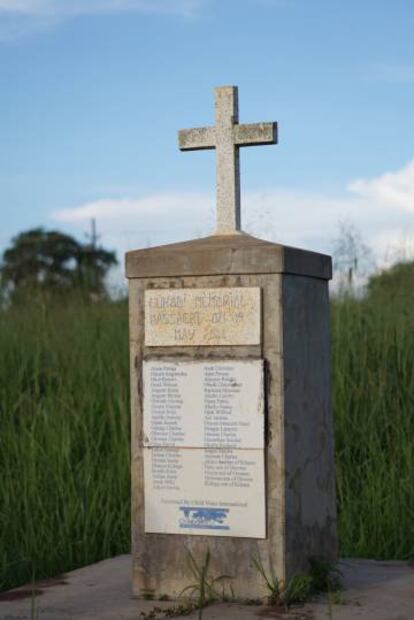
[(373, 389), (64, 439), (64, 434)]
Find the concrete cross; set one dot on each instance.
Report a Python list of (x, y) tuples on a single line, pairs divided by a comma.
[(227, 136)]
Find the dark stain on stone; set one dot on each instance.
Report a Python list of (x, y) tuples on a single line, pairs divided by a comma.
[(21, 593), (17, 595)]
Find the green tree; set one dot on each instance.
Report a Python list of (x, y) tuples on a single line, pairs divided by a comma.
[(395, 284), (46, 264)]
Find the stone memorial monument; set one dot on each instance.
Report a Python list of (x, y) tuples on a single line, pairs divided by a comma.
[(232, 441)]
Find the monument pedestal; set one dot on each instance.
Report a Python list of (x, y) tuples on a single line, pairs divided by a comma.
[(232, 439)]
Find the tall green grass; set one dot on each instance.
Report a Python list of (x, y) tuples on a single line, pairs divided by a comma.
[(373, 381), (64, 434), (64, 438)]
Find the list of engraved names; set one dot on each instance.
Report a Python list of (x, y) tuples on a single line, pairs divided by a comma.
[(221, 427), (199, 404), (204, 447)]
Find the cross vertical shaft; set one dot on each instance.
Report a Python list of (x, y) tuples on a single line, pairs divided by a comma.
[(227, 161), (227, 136)]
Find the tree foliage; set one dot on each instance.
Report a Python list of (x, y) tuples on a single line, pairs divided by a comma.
[(395, 283), (50, 263), (353, 259)]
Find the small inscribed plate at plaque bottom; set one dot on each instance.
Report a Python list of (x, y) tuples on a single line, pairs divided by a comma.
[(209, 492)]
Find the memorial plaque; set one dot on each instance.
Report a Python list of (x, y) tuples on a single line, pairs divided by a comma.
[(209, 492), (204, 447), (204, 404), (202, 316)]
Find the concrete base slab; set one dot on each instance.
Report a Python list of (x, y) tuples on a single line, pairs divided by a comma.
[(373, 591)]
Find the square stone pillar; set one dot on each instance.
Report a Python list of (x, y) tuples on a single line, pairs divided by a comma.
[(293, 349)]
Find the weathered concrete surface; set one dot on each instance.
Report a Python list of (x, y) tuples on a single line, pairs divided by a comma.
[(227, 137), (161, 561), (225, 254), (374, 591), (310, 507), (300, 517)]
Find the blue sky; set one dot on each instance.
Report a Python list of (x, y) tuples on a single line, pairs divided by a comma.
[(94, 91)]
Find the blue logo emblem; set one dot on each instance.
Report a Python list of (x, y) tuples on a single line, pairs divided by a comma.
[(203, 518)]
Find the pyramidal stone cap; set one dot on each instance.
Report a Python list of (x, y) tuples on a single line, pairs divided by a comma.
[(225, 255)]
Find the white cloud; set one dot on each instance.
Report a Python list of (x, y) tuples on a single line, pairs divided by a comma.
[(393, 245), (127, 223), (84, 7), (21, 17), (380, 209), (22, 6), (395, 189), (156, 205)]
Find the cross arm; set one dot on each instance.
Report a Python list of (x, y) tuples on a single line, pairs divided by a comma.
[(197, 139), (256, 133)]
